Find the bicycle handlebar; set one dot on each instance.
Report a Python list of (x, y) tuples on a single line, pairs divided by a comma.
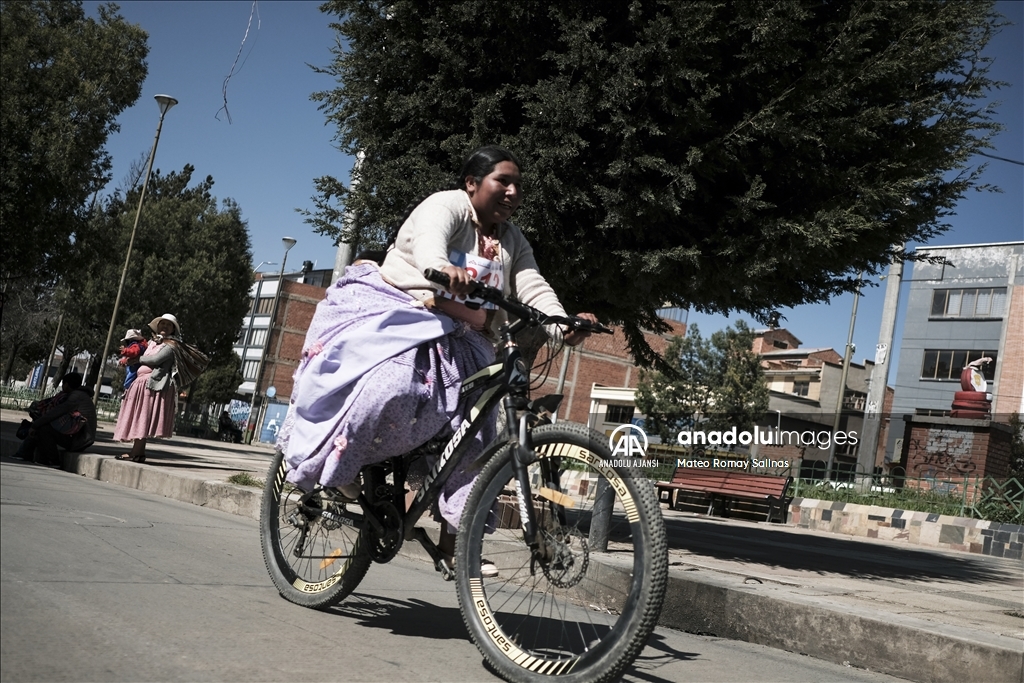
[(518, 309)]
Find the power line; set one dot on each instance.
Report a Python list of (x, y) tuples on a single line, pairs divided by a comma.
[(993, 156)]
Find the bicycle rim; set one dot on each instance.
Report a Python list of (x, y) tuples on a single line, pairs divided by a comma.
[(579, 615), (312, 546)]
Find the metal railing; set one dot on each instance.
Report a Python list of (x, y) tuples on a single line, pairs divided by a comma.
[(996, 500), (20, 399)]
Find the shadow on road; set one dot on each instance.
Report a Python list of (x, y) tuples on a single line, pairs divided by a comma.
[(827, 554), (413, 618), (419, 619)]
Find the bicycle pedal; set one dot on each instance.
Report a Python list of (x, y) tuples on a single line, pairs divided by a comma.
[(447, 573)]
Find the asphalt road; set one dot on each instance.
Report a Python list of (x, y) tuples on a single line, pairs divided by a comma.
[(104, 583)]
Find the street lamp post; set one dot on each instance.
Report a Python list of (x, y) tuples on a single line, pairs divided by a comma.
[(288, 244), (165, 103)]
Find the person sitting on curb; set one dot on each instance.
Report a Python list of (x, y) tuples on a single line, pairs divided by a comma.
[(228, 429), (68, 420)]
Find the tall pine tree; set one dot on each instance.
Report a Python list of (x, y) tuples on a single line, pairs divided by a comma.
[(722, 156)]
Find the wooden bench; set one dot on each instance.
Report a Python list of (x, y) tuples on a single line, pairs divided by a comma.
[(728, 485)]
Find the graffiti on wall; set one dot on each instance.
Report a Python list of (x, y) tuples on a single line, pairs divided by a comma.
[(945, 451)]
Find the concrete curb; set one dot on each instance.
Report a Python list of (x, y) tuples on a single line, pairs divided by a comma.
[(704, 602), (728, 607), (216, 495)]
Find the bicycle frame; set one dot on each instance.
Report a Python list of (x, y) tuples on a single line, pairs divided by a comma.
[(507, 381), (544, 612)]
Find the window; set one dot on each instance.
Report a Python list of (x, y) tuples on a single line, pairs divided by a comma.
[(846, 450), (801, 387), (250, 368), (984, 302), (780, 344), (258, 337), (265, 306), (619, 414), (949, 363), (854, 400)]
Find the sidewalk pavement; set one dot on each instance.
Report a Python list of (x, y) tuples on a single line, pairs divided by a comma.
[(921, 614)]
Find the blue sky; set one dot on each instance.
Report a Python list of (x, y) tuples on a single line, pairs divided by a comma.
[(277, 141)]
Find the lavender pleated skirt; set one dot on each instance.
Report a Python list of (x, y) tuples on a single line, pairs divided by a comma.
[(379, 375)]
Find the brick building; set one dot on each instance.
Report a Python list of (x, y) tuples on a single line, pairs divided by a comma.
[(287, 335), (1010, 379), (600, 364), (270, 344)]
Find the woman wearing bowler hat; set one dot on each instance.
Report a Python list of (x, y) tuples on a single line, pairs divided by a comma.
[(147, 411)]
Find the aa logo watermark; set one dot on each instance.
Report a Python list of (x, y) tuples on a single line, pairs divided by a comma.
[(628, 441)]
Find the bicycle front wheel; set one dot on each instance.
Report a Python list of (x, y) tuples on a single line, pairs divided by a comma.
[(313, 543), (574, 610)]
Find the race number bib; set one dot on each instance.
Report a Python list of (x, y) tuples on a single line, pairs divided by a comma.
[(486, 271)]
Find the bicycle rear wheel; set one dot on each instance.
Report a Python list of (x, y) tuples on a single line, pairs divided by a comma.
[(313, 543), (574, 613)]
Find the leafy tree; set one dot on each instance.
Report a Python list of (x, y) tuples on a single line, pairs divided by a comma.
[(28, 326), (220, 382), (722, 156), (191, 258), (64, 79), (718, 382)]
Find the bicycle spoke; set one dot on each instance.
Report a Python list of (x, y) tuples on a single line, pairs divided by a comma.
[(568, 610)]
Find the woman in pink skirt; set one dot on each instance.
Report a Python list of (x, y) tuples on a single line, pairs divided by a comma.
[(147, 411)]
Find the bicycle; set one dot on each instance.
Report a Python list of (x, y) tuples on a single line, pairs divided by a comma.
[(578, 540)]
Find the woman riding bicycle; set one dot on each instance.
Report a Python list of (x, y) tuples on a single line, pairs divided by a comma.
[(386, 353)]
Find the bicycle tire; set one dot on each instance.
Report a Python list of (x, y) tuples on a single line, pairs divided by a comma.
[(333, 557), (586, 618)]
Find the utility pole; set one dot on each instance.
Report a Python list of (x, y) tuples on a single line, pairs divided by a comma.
[(873, 415), (165, 103), (342, 259), (347, 250), (842, 384), (49, 359)]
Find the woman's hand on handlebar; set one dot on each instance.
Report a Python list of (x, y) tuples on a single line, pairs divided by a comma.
[(460, 283), (576, 337)]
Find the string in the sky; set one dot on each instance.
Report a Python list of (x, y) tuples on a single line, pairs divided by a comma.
[(255, 11)]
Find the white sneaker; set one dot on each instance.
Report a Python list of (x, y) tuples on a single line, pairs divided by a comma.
[(488, 569)]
